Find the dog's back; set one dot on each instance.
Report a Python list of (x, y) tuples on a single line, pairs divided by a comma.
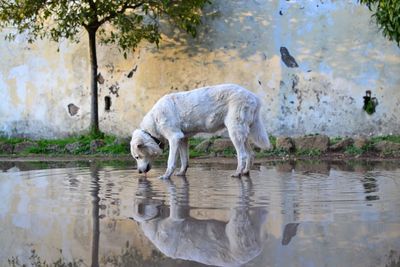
[(206, 109)]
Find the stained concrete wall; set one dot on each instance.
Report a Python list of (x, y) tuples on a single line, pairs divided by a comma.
[(311, 63)]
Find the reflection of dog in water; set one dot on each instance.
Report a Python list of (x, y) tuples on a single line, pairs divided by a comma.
[(212, 242)]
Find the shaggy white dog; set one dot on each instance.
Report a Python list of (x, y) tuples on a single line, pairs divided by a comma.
[(177, 116)]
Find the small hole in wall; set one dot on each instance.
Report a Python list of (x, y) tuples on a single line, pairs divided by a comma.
[(72, 109), (107, 103)]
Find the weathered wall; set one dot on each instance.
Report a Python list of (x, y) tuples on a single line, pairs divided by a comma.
[(338, 51)]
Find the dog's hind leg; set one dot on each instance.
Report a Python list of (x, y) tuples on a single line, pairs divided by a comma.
[(238, 128), (184, 155), (249, 159), (238, 138)]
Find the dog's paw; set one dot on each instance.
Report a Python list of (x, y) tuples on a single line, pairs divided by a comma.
[(164, 177), (236, 175), (246, 173), (181, 173)]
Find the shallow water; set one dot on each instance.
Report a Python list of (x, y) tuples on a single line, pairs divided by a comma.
[(286, 214)]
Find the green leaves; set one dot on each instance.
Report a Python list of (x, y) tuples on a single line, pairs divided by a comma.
[(127, 30), (124, 22), (135, 21), (387, 16), (41, 18), (186, 14)]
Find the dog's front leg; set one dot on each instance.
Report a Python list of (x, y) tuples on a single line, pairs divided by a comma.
[(173, 149), (184, 155)]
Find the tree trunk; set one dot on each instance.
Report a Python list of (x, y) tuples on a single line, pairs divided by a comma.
[(94, 109)]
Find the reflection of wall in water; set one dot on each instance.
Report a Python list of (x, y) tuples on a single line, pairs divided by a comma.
[(338, 224), (339, 55)]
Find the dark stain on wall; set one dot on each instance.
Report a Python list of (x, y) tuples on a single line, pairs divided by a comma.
[(289, 61), (72, 109), (114, 89), (100, 78), (297, 91), (130, 74)]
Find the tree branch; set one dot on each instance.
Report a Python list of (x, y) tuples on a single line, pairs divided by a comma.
[(112, 15), (93, 7)]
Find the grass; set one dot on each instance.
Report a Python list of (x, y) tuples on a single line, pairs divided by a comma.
[(335, 140), (11, 141), (390, 138), (36, 261), (272, 153), (353, 150), (193, 153), (309, 152), (272, 140), (112, 145)]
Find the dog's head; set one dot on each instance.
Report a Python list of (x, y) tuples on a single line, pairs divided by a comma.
[(144, 149)]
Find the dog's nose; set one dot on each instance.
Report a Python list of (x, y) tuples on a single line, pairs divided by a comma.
[(140, 171), (148, 168)]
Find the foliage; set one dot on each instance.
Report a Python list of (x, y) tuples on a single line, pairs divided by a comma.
[(229, 152), (387, 16), (130, 256), (124, 22), (370, 108), (120, 146), (309, 152), (12, 141), (193, 142), (368, 147), (335, 140), (272, 140), (273, 153), (353, 150), (391, 138), (112, 145), (37, 261), (129, 21)]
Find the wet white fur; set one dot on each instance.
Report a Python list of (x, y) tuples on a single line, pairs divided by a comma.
[(177, 116)]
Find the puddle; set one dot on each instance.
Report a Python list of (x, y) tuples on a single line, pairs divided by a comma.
[(286, 214)]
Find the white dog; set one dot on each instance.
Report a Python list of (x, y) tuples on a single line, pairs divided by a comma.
[(178, 116)]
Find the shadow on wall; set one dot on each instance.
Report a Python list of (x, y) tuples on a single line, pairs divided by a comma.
[(321, 35), (235, 26)]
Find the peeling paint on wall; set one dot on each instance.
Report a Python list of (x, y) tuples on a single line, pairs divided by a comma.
[(309, 61)]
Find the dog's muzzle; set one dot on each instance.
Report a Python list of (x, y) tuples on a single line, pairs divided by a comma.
[(148, 167)]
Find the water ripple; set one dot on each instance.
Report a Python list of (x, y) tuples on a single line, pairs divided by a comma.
[(279, 214)]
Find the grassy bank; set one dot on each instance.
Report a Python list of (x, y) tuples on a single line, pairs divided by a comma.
[(76, 145), (113, 146)]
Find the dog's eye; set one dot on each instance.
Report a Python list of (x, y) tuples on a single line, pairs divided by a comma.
[(136, 157)]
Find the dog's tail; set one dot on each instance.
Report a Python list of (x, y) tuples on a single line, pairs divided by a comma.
[(258, 134)]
